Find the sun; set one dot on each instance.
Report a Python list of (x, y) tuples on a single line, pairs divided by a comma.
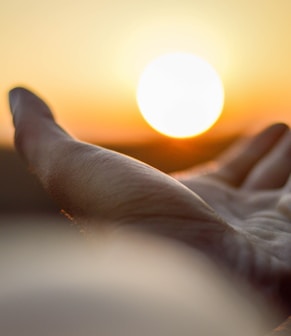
[(180, 95)]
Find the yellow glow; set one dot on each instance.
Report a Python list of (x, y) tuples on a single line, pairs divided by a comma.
[(88, 70), (180, 95)]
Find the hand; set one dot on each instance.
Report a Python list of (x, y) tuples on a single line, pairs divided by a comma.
[(241, 225), (250, 188)]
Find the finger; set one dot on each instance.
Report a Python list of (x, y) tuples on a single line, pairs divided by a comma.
[(238, 162), (83, 178), (36, 132), (273, 170), (90, 182)]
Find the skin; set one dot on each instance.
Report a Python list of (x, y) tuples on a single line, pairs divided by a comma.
[(237, 211)]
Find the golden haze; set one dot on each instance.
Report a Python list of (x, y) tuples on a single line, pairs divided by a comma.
[(85, 58)]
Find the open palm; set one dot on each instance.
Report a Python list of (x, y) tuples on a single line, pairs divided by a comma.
[(241, 218)]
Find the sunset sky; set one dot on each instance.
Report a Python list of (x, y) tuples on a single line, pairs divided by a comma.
[(85, 58)]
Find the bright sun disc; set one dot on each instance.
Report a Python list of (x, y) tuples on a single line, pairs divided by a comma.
[(180, 95)]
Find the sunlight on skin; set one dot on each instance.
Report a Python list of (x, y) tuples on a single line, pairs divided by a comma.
[(180, 95)]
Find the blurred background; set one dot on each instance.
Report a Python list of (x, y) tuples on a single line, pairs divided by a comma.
[(85, 58)]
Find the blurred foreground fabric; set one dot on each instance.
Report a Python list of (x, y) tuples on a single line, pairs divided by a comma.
[(56, 282)]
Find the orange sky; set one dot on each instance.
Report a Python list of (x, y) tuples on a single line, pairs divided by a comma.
[(85, 58)]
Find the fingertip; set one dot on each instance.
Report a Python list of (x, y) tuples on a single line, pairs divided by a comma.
[(35, 127), (25, 105), (15, 95), (18, 91), (277, 129), (271, 135)]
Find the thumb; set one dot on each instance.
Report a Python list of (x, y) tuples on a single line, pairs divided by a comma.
[(96, 185)]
